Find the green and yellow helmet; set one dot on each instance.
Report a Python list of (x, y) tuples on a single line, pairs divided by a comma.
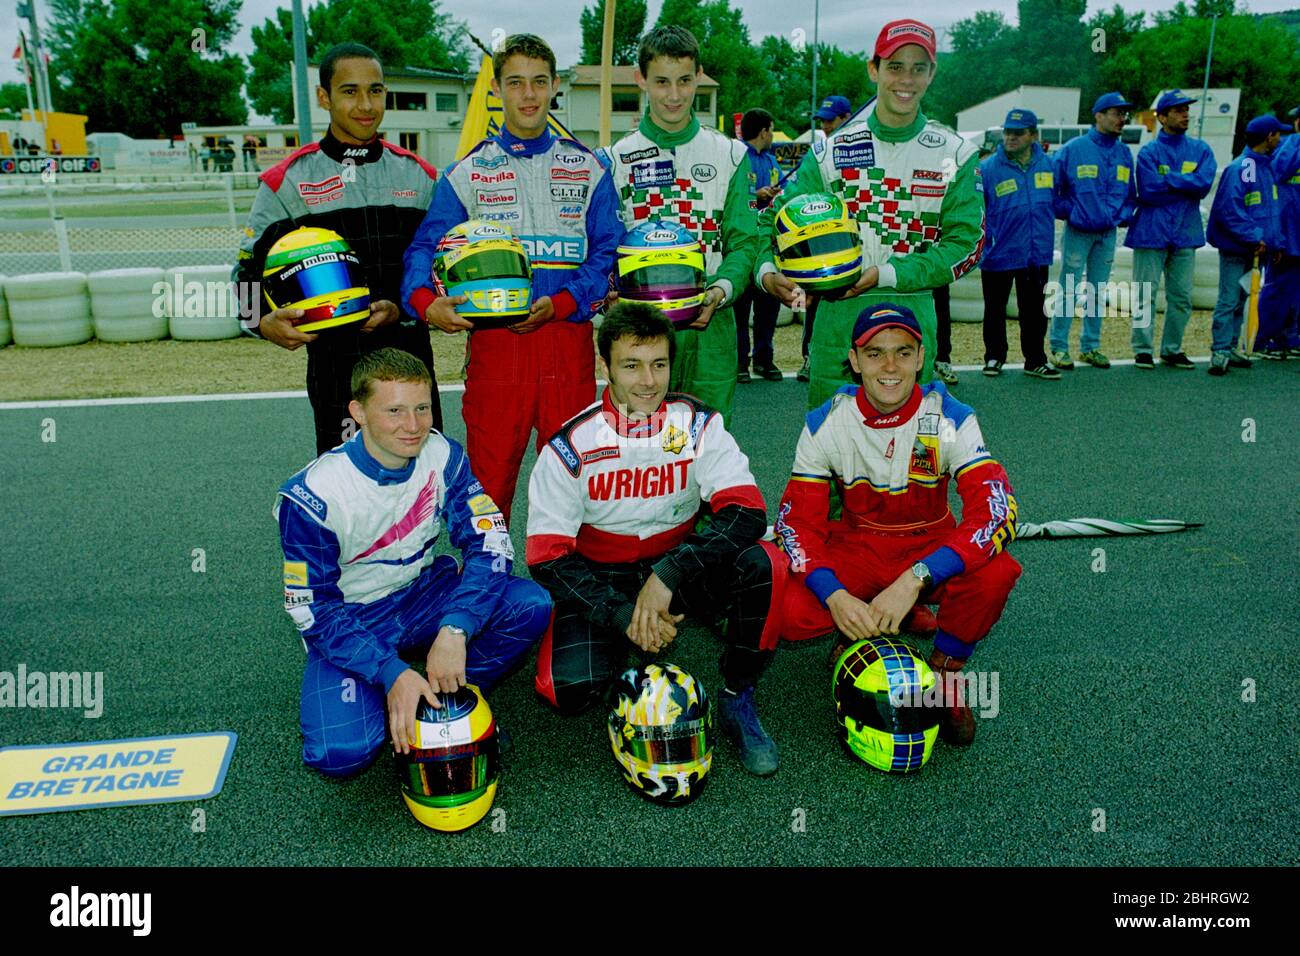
[(661, 731), (487, 263), (817, 244), (878, 687), (449, 778), (316, 270)]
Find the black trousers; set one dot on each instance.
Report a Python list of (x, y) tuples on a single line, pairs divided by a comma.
[(943, 323), (329, 374), (809, 316), (578, 660), (765, 308), (1029, 283)]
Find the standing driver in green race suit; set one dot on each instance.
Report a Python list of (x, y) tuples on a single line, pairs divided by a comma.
[(914, 187), (674, 169)]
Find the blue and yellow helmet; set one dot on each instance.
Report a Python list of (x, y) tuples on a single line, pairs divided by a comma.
[(316, 270), (879, 685), (662, 264), (818, 245), (449, 778), (661, 731), (490, 265)]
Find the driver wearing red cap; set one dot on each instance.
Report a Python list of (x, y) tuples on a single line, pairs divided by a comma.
[(890, 447)]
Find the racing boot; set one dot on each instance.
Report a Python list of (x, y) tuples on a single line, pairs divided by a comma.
[(956, 722), (739, 719)]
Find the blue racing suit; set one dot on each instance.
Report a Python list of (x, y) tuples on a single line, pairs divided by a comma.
[(1174, 173), (364, 587)]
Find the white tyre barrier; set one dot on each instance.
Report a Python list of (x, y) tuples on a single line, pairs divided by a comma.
[(6, 333), (784, 317), (968, 286), (966, 310), (200, 305), (49, 309), (122, 302)]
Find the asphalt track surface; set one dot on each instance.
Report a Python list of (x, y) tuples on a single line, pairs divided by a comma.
[(1119, 691)]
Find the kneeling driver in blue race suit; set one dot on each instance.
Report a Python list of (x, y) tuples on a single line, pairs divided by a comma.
[(363, 584)]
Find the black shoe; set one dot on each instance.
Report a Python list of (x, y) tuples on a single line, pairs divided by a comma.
[(1143, 360), (1273, 355), (1218, 363), (1044, 372), (992, 368), (803, 373), (1177, 360), (742, 377), (769, 373), (1237, 359)]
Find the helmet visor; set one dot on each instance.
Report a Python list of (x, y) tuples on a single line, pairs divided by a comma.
[(662, 278), (488, 264), (324, 274), (670, 744), (827, 244), (450, 771), (904, 715)]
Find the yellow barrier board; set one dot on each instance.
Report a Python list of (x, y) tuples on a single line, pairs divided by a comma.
[(45, 778)]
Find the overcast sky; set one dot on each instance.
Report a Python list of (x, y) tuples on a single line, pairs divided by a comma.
[(850, 24)]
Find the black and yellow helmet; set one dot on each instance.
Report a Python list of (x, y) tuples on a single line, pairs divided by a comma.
[(315, 270), (661, 731), (449, 778), (879, 685)]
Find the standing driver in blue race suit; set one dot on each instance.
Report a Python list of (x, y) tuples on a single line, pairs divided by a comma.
[(1094, 195), (363, 584)]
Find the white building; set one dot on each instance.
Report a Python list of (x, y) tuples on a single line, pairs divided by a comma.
[(1053, 105), (578, 102)]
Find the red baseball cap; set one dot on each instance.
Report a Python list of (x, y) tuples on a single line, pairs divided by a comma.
[(898, 33)]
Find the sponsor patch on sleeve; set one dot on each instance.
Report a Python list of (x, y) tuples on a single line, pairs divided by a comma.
[(295, 574), (482, 505), (485, 524)]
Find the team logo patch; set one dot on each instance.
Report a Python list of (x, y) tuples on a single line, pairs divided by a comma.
[(296, 597), (566, 454), (848, 139), (511, 216), (658, 173), (932, 139), (929, 191), (935, 175), (565, 193), (504, 197), (482, 505), (307, 498), (571, 175), (639, 155), (571, 212), (853, 157), (925, 460), (1043, 180), (571, 159), (494, 162), (403, 193), (927, 424), (493, 179), (492, 522), (599, 454), (674, 440), (704, 172), (295, 574), (1005, 188)]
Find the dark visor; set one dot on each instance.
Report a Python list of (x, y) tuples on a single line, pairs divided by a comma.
[(877, 712), (655, 278), (451, 772), (823, 245), (493, 264)]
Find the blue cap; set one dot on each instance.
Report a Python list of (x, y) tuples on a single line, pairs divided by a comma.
[(1020, 119), (1109, 101), (1268, 123), (833, 107), (1171, 99), (884, 315)]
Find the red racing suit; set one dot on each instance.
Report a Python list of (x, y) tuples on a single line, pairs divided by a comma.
[(892, 471)]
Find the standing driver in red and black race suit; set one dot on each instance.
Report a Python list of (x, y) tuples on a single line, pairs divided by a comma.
[(891, 447), (371, 193)]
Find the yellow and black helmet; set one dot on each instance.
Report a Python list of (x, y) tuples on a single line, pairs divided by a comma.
[(881, 705), (661, 731)]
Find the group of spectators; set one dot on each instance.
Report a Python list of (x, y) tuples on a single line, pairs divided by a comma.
[(1094, 185)]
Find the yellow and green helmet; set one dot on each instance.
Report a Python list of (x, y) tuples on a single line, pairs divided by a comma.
[(487, 263), (316, 270), (881, 704), (449, 778), (817, 244)]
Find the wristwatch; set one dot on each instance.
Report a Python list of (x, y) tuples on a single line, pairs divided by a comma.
[(922, 573)]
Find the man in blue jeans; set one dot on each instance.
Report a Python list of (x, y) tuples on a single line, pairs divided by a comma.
[(1094, 195), (1174, 173), (1244, 223)]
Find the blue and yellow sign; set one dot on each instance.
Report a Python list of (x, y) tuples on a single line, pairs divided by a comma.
[(49, 777)]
